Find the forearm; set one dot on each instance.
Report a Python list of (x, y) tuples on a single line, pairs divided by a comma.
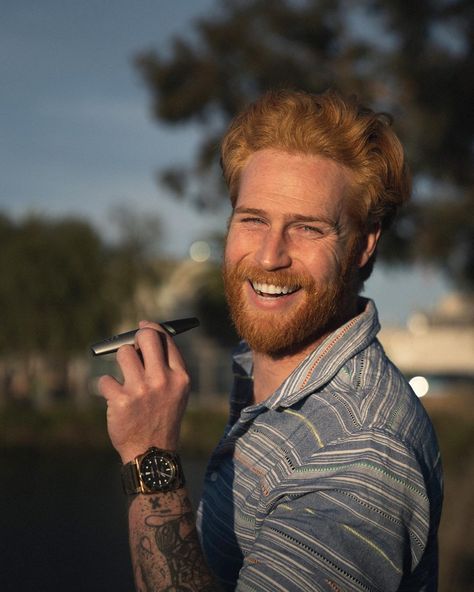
[(144, 415), (165, 549)]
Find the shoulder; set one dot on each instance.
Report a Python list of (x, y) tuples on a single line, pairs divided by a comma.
[(369, 393), (368, 410)]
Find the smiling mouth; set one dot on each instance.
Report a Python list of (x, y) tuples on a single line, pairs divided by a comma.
[(272, 290)]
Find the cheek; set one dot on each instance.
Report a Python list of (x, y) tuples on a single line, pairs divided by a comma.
[(324, 263), (237, 246), (230, 254)]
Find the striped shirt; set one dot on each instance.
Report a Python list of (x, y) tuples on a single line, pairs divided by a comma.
[(332, 484)]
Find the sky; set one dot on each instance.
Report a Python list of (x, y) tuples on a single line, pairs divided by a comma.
[(77, 137)]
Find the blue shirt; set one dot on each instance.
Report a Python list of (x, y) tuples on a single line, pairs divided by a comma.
[(333, 483)]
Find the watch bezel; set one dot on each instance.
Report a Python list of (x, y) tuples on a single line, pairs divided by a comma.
[(170, 457), (132, 479)]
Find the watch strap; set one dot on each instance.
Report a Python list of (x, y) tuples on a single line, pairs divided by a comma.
[(130, 479)]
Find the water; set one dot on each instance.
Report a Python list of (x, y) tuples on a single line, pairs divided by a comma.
[(63, 521)]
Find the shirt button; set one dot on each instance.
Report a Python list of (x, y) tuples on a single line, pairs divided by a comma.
[(213, 476)]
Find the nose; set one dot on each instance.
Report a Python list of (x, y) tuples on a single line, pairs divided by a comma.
[(273, 252)]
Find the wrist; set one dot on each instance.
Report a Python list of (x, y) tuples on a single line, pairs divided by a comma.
[(132, 451)]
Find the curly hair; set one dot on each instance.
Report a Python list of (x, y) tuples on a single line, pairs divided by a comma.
[(329, 125)]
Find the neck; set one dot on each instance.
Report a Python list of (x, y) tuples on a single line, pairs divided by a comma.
[(269, 372)]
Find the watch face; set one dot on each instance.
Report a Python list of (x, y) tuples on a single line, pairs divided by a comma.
[(157, 471)]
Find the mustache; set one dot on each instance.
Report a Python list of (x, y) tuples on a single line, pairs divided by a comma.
[(247, 272)]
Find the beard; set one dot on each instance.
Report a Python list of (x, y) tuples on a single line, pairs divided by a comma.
[(324, 307)]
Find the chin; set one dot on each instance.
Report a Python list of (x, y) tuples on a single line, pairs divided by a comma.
[(280, 336)]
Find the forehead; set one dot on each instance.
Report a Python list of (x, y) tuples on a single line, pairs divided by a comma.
[(293, 183)]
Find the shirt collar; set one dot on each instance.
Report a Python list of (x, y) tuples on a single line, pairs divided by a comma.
[(317, 369)]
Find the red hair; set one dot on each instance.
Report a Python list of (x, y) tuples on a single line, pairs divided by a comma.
[(328, 125)]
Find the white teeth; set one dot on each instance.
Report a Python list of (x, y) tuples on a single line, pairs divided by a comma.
[(272, 289)]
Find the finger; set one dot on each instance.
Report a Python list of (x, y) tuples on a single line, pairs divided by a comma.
[(150, 325), (109, 387), (162, 335), (130, 364), (153, 347), (175, 359), (173, 356)]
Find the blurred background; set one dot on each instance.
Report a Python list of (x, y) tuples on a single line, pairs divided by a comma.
[(112, 209)]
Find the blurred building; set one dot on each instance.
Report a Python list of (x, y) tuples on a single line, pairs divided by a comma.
[(437, 347)]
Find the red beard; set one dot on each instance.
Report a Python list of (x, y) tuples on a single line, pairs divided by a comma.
[(322, 310)]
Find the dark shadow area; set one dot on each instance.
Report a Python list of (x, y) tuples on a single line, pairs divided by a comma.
[(64, 523)]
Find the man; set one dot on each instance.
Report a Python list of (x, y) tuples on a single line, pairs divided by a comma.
[(328, 475)]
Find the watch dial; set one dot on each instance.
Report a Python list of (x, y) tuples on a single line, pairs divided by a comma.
[(157, 471)]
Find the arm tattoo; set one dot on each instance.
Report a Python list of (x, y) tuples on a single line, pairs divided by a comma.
[(166, 553)]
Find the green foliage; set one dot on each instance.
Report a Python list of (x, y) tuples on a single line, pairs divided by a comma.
[(414, 60), (62, 285)]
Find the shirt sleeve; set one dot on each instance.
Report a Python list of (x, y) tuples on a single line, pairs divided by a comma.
[(355, 516)]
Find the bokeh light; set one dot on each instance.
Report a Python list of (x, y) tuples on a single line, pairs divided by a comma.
[(420, 385), (200, 251)]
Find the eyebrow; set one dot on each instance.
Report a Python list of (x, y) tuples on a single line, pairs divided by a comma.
[(293, 217)]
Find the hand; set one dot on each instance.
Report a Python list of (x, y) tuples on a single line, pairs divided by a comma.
[(147, 409)]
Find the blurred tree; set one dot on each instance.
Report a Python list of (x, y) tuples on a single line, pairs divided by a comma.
[(132, 259), (54, 284), (414, 60), (62, 288)]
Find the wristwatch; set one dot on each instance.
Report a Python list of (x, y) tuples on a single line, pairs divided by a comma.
[(155, 471)]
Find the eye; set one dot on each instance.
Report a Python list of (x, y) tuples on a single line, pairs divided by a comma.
[(311, 230), (252, 220)]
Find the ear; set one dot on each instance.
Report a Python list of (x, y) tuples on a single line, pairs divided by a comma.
[(368, 249)]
